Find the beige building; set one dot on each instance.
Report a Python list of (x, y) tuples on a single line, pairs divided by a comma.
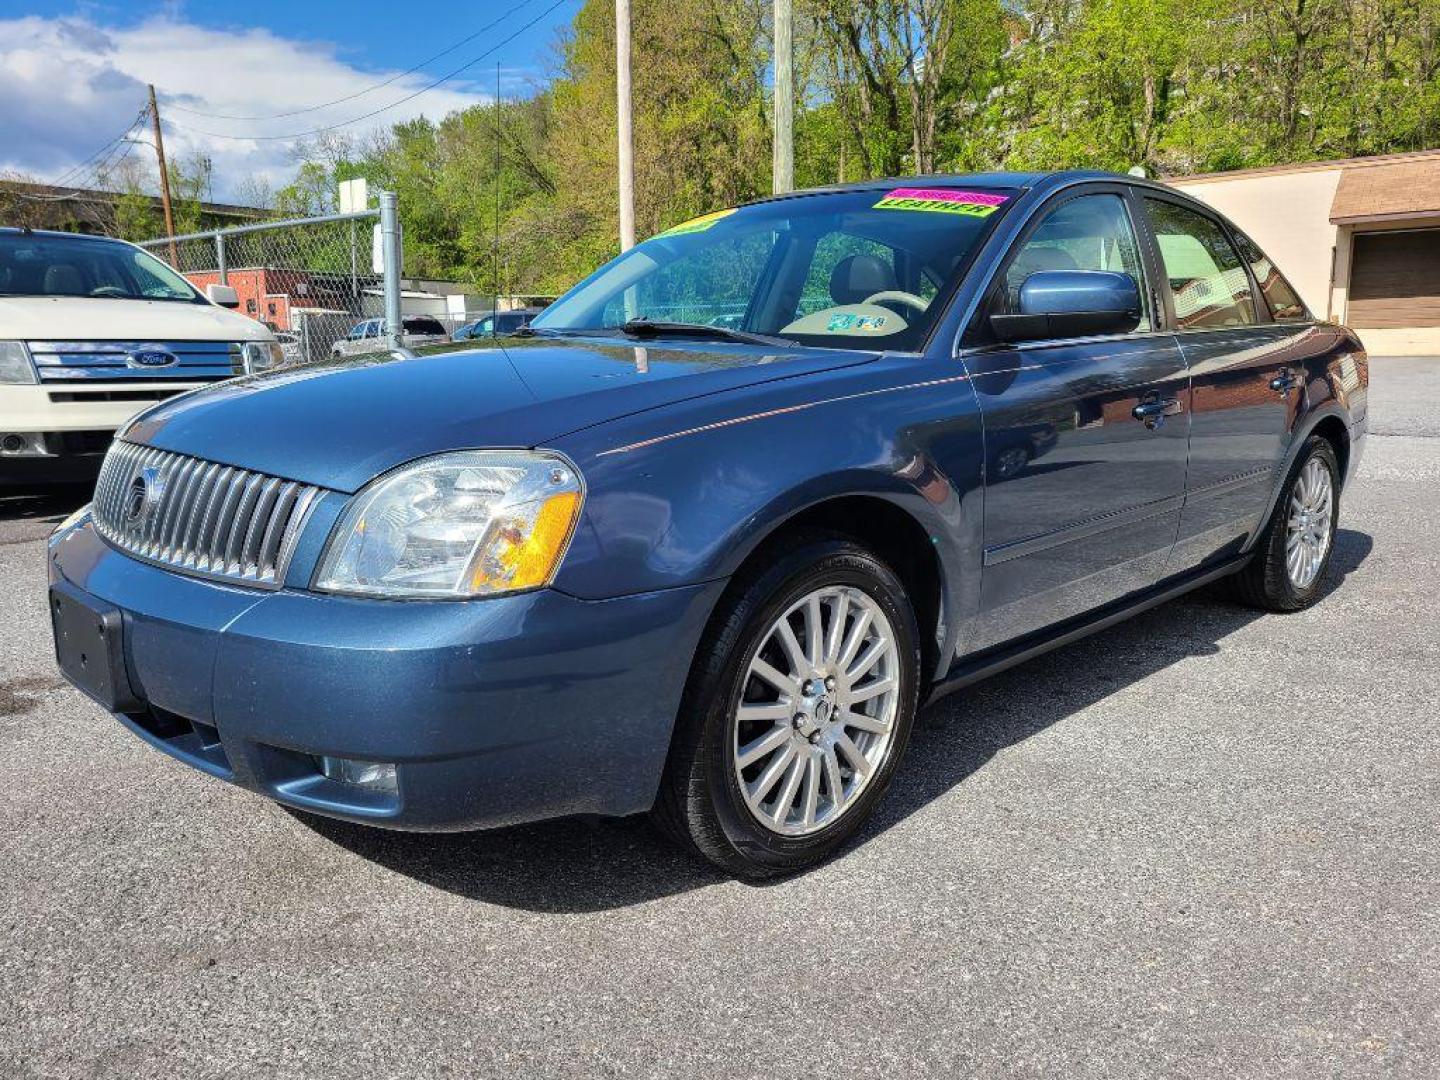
[(1359, 239)]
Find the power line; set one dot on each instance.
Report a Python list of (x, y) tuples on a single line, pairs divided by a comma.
[(75, 170), (384, 108), (359, 93)]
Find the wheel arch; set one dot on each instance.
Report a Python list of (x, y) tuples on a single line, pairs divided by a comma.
[(1330, 422), (886, 527)]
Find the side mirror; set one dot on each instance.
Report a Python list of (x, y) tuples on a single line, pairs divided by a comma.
[(1071, 303), (223, 295)]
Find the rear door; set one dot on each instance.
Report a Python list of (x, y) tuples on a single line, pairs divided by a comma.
[(1246, 370), (1082, 499)]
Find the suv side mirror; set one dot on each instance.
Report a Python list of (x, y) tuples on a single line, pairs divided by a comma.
[(1071, 303), (223, 295)]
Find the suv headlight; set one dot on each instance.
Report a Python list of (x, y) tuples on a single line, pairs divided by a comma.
[(261, 355), (472, 523), (15, 363)]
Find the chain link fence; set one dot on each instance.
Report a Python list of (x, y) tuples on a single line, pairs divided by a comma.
[(310, 280)]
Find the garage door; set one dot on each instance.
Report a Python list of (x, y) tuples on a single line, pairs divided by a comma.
[(1395, 280)]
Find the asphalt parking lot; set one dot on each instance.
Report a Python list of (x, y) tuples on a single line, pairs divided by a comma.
[(1202, 844)]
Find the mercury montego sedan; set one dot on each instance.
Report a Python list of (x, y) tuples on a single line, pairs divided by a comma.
[(701, 541)]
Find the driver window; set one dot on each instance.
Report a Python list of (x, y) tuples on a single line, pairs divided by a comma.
[(1092, 232)]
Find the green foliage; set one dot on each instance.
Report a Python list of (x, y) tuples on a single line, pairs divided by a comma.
[(885, 87)]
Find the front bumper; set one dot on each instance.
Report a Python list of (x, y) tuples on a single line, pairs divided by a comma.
[(495, 711)]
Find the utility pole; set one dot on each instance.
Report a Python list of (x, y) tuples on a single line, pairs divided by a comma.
[(784, 134), (495, 245), (392, 261), (164, 178), (627, 135)]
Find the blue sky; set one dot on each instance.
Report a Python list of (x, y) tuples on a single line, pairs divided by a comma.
[(72, 77)]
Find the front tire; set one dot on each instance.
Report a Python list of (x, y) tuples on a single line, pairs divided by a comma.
[(797, 711), (1293, 555)]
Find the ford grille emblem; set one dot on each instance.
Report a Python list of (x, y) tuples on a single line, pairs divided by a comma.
[(145, 491), (151, 356)]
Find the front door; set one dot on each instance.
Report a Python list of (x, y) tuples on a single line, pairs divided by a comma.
[(1245, 369), (1082, 496)]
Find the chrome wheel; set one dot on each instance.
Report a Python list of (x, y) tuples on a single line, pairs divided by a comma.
[(1308, 531), (817, 710)]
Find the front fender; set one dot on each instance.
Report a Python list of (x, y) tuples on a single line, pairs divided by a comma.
[(684, 495)]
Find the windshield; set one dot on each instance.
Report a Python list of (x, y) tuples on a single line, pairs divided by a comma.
[(855, 269), (32, 264)]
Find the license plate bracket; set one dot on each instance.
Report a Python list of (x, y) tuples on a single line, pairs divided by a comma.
[(90, 646)]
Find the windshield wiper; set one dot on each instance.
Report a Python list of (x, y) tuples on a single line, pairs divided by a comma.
[(656, 328)]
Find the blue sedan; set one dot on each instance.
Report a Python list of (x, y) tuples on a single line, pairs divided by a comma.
[(701, 540)]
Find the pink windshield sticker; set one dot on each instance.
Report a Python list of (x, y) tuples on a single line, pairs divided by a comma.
[(942, 200)]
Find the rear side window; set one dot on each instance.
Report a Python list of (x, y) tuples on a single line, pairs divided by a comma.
[(1285, 303), (1207, 279)]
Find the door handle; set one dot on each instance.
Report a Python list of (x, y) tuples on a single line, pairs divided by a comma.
[(1152, 413), (1283, 383)]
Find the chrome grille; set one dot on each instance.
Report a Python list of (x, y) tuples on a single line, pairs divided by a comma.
[(200, 517)]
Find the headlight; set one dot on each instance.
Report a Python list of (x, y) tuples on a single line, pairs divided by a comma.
[(75, 518), (261, 355), (473, 523), (15, 363)]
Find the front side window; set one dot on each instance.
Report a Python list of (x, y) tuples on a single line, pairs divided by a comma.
[(1092, 232), (41, 264), (852, 270), (1285, 303), (1207, 279)]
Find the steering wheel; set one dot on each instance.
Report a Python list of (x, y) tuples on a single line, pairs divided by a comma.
[(900, 297), (109, 290)]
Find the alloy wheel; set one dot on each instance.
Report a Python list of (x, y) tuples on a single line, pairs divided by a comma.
[(1309, 528), (818, 710)]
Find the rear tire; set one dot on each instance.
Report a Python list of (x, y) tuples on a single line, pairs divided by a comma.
[(765, 778), (1293, 555)]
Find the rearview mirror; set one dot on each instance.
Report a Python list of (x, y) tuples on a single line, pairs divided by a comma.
[(1071, 303), (223, 295)]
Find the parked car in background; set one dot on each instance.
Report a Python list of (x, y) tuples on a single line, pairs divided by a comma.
[(369, 336), (652, 563), (91, 331), (290, 346), (504, 322)]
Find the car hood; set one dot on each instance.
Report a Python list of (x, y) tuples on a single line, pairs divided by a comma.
[(340, 423), (80, 318)]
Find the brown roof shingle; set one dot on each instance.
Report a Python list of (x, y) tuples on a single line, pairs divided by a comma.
[(1402, 189)]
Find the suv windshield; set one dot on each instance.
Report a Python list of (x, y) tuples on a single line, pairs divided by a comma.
[(854, 269), (35, 264)]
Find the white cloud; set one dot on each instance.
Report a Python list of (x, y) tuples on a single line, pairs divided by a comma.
[(70, 85)]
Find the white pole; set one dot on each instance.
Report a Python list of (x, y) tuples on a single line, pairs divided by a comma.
[(393, 262), (784, 143), (626, 132)]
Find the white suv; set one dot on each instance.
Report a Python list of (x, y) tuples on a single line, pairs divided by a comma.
[(92, 330)]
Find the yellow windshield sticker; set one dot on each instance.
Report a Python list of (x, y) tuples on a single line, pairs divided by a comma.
[(943, 201), (699, 224)]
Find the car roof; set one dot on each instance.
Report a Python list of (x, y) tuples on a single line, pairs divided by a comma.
[(16, 231), (1044, 181)]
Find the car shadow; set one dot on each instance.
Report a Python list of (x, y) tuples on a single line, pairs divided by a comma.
[(582, 865), (46, 505)]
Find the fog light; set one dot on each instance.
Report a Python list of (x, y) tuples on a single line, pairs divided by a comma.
[(370, 775), (28, 444)]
